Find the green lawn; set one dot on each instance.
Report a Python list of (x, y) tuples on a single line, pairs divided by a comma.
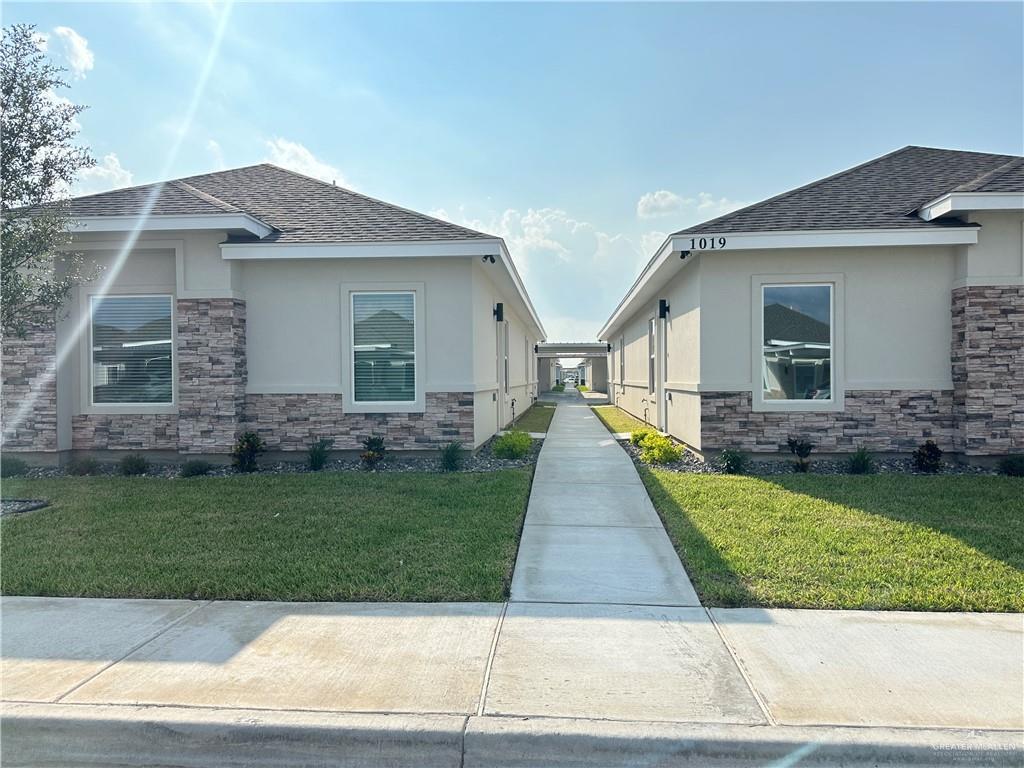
[(617, 420), (537, 418), (329, 536), (882, 542)]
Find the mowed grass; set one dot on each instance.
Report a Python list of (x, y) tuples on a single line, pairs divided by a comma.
[(330, 536), (537, 418), (877, 542), (617, 420)]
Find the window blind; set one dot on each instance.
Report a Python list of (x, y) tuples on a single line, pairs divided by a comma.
[(384, 347), (132, 346)]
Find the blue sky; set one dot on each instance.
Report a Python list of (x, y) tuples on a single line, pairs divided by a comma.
[(580, 133)]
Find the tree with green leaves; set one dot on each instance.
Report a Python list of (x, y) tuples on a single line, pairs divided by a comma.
[(40, 160)]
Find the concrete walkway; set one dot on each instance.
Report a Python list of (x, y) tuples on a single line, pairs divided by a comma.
[(591, 534)]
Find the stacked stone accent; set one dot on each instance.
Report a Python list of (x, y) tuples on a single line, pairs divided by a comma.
[(211, 374), (30, 383), (137, 432), (988, 369), (292, 422), (883, 421)]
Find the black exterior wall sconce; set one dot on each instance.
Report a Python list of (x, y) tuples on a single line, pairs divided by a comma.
[(487, 258), (499, 312), (683, 254), (662, 309)]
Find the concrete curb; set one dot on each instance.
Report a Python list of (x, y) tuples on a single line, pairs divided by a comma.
[(162, 737)]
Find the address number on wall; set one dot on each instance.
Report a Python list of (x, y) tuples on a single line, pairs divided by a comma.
[(707, 243)]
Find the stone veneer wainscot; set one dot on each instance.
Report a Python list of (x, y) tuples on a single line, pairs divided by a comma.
[(290, 422), (884, 421), (29, 383)]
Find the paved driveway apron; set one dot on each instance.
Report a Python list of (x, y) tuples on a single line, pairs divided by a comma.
[(602, 620)]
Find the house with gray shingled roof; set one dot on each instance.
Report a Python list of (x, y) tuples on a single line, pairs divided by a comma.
[(880, 307), (260, 299)]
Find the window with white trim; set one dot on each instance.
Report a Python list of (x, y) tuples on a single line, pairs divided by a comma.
[(384, 346), (622, 359), (131, 350), (797, 339)]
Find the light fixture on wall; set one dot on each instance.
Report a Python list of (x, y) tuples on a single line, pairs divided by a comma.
[(683, 254), (487, 258), (499, 312), (662, 309)]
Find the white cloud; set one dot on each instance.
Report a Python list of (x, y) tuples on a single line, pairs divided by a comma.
[(213, 147), (652, 241), (107, 174), (75, 49), (296, 157), (653, 205)]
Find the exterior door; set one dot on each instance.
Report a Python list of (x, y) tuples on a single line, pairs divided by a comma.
[(503, 396), (661, 374)]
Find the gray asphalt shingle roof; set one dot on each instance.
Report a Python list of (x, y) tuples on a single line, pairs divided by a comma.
[(299, 208), (883, 193)]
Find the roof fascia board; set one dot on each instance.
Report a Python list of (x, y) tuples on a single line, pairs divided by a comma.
[(388, 249), (155, 223), (825, 238), (961, 202)]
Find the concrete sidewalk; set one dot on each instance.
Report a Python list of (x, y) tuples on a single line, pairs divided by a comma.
[(591, 532)]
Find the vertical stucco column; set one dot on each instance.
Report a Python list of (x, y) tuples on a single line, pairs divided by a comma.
[(988, 369), (211, 374), (29, 397)]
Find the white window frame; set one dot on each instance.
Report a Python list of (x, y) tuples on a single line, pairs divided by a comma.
[(836, 332), (349, 403), (87, 406)]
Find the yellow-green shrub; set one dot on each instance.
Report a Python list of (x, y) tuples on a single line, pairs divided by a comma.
[(658, 449)]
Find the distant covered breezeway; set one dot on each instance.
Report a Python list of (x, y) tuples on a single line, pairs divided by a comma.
[(593, 371)]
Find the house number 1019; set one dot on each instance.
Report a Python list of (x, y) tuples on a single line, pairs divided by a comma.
[(706, 243)]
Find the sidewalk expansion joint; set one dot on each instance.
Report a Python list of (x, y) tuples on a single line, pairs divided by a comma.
[(490, 660), (133, 649), (743, 672)]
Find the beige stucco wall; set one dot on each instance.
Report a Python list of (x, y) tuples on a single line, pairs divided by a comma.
[(493, 406), (998, 257), (895, 331), (295, 320)]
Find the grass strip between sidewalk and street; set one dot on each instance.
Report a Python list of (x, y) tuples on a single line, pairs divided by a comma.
[(411, 536), (889, 542)]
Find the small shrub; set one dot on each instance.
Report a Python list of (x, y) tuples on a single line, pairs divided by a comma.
[(583, 388), (12, 466), (134, 464), (558, 388), (637, 436), (318, 453), (801, 449), (658, 449), (195, 468), (734, 462), (246, 452), (1012, 465), (860, 462), (373, 451), (451, 456), (83, 465), (928, 457), (512, 445)]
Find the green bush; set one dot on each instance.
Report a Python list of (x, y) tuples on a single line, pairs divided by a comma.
[(12, 466), (558, 388), (861, 462), (928, 457), (583, 388), (195, 468), (1012, 465), (734, 462), (246, 452), (374, 451), (658, 449), (451, 456), (134, 464), (637, 436), (512, 445), (801, 449), (83, 465), (318, 453)]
